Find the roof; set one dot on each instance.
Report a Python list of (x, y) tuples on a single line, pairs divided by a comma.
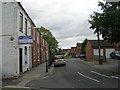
[(78, 44), (103, 43), (26, 13), (66, 49), (73, 47)]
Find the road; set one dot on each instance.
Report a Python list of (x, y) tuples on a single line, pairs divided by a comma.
[(76, 75)]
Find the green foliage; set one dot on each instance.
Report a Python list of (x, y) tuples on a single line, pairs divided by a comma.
[(52, 42), (83, 46), (67, 57), (107, 23)]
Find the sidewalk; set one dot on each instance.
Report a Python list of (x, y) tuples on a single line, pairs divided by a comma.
[(110, 65), (38, 72)]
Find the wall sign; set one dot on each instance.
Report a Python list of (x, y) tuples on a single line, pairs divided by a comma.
[(25, 39)]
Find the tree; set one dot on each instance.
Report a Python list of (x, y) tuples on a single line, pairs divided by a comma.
[(107, 23), (83, 46), (53, 43)]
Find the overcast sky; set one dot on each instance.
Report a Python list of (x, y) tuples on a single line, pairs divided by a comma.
[(66, 19)]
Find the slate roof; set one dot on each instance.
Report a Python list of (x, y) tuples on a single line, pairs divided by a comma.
[(78, 44), (103, 43)]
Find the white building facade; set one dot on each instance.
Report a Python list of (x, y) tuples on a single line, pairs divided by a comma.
[(16, 40)]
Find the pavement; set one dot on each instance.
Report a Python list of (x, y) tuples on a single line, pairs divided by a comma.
[(110, 65), (38, 72)]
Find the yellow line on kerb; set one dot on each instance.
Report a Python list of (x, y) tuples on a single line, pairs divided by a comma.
[(15, 87)]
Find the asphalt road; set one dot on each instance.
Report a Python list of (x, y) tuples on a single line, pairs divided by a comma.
[(76, 75)]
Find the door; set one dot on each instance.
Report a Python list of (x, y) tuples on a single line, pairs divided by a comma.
[(108, 51), (20, 59)]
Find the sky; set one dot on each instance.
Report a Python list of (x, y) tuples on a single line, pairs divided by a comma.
[(66, 19)]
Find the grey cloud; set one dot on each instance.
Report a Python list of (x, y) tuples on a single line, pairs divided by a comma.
[(66, 19)]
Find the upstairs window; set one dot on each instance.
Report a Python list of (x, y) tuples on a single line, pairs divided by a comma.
[(25, 26), (21, 22)]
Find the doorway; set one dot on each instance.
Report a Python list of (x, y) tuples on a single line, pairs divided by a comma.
[(20, 59)]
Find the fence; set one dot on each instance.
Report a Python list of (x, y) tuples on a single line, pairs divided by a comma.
[(96, 57)]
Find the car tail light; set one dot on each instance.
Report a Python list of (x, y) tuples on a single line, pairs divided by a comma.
[(62, 57), (55, 58)]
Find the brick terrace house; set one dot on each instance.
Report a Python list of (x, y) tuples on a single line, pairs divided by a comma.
[(39, 48), (73, 50), (66, 50), (92, 49), (78, 49)]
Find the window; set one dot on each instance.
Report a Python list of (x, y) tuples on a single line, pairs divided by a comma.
[(34, 54), (33, 34), (25, 50), (25, 26), (21, 22), (38, 37), (38, 55), (26, 59)]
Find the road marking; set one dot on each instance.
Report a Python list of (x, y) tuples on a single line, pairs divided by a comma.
[(88, 77), (105, 75), (23, 83), (28, 76), (100, 74), (45, 77), (15, 87), (115, 77)]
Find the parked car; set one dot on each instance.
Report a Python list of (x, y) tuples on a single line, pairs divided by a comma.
[(115, 55), (77, 56), (82, 56), (59, 60)]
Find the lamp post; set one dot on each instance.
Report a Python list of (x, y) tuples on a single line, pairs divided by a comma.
[(46, 62)]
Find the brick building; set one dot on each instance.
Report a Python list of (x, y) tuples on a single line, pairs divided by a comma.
[(39, 48), (77, 51), (92, 49)]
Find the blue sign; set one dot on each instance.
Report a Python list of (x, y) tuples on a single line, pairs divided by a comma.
[(25, 39)]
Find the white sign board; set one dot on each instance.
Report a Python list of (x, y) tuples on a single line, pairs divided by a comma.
[(25, 39)]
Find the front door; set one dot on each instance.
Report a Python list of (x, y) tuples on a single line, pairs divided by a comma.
[(20, 59)]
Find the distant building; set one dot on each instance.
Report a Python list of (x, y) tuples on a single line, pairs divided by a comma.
[(78, 49), (92, 49)]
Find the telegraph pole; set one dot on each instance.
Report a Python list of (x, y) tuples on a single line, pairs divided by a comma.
[(99, 51)]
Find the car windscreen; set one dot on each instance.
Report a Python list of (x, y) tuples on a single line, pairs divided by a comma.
[(59, 56), (117, 52)]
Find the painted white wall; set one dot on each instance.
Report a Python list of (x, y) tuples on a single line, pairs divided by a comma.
[(108, 51), (0, 44), (96, 52), (9, 48)]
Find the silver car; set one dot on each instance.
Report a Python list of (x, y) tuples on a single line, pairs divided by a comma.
[(59, 60)]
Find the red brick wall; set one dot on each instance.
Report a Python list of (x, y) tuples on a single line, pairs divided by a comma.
[(89, 52), (77, 51), (39, 47)]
